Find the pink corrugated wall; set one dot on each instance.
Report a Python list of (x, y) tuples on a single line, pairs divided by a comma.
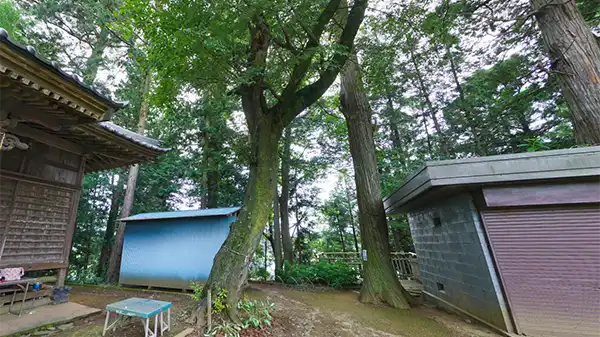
[(549, 262)]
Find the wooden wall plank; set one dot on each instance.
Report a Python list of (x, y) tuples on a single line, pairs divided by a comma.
[(62, 274)]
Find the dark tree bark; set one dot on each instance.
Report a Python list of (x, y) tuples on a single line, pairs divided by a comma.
[(277, 236), (265, 125), (575, 56), (114, 264), (351, 213), (288, 251), (109, 233), (380, 283), (210, 179), (340, 232)]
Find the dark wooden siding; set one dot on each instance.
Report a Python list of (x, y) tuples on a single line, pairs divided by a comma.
[(39, 188)]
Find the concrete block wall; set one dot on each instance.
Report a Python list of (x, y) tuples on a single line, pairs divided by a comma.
[(451, 258)]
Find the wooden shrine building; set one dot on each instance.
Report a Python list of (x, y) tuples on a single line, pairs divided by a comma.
[(53, 130)]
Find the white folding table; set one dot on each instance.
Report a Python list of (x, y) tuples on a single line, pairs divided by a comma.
[(145, 309)]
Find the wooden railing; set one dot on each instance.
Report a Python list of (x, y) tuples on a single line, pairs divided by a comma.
[(405, 264)]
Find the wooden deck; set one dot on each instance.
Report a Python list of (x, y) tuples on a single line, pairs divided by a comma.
[(43, 316), (413, 287)]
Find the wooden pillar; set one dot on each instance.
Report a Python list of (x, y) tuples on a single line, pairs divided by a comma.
[(62, 272), (60, 277)]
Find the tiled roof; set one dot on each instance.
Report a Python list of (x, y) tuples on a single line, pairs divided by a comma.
[(52, 65), (132, 136)]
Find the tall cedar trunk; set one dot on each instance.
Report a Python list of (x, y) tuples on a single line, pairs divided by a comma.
[(93, 62), (288, 251), (109, 233), (114, 264), (380, 283), (575, 57), (277, 236)]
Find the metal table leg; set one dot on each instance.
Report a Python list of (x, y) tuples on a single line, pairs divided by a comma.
[(106, 323), (156, 326), (24, 297), (12, 301)]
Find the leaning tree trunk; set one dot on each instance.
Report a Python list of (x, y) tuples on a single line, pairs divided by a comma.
[(380, 283), (575, 57), (114, 264), (265, 125), (231, 263), (288, 250)]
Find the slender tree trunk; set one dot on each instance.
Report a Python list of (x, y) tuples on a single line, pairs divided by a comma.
[(340, 232), (277, 236), (575, 57), (109, 233), (479, 150), (380, 283), (288, 251), (114, 264), (210, 177), (430, 111), (351, 213)]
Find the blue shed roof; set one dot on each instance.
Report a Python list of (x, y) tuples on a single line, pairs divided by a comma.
[(183, 214)]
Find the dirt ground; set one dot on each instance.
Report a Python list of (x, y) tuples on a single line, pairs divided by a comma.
[(299, 313)]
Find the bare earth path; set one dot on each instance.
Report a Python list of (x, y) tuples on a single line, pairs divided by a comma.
[(338, 313), (300, 313)]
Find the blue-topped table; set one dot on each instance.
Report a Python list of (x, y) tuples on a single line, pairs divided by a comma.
[(144, 308)]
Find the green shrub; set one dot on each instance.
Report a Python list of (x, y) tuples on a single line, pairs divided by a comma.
[(332, 274), (254, 314)]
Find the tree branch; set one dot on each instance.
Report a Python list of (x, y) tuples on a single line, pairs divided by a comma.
[(311, 93), (302, 67)]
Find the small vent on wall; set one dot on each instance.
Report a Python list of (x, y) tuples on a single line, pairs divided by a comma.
[(437, 220), (440, 287)]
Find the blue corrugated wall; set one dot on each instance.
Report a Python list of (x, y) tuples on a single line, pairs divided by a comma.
[(171, 252)]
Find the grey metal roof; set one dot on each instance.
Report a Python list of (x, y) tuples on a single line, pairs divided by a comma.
[(30, 52), (133, 136), (183, 214), (530, 166)]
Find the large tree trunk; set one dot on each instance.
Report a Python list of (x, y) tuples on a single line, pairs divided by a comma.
[(114, 264), (288, 250), (277, 236), (380, 283), (575, 57), (231, 263), (109, 233), (265, 126)]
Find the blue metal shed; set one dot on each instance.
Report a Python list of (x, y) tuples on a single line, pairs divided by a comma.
[(170, 249)]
